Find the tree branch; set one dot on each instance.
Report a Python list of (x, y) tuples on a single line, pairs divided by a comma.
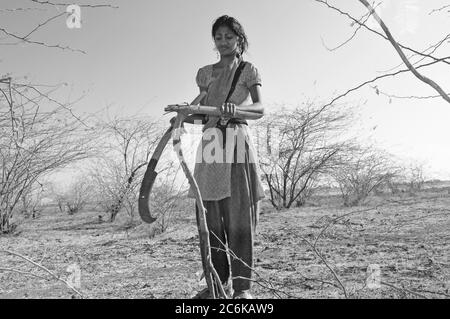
[(391, 39)]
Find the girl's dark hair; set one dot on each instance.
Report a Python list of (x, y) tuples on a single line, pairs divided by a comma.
[(234, 26)]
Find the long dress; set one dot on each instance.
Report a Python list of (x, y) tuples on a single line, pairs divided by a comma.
[(228, 176)]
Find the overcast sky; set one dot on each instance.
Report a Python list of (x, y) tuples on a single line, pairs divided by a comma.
[(145, 55)]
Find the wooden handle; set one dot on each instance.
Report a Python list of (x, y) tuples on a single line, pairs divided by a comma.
[(210, 110)]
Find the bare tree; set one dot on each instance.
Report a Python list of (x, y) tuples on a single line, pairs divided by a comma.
[(127, 145), (57, 195), (361, 171), (38, 134), (424, 54), (30, 202), (36, 138), (300, 145), (406, 176), (75, 196), (415, 176)]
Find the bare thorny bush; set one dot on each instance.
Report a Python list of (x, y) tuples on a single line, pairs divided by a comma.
[(361, 172), (38, 134), (127, 145), (125, 150), (416, 177), (408, 178), (30, 204), (72, 197), (367, 170), (300, 146), (36, 138), (165, 197)]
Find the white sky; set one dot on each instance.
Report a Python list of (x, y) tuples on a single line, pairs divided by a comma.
[(146, 54)]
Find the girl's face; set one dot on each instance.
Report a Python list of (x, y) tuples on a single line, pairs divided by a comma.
[(226, 41)]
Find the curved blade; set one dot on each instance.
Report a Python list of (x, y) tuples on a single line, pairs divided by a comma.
[(149, 179)]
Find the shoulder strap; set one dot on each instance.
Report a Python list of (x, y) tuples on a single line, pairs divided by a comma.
[(235, 79)]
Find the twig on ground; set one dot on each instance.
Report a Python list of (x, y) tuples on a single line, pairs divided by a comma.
[(23, 272), (234, 256), (326, 265), (404, 290), (45, 269)]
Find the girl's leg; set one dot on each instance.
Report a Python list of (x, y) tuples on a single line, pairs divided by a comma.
[(239, 227), (215, 226), (240, 215)]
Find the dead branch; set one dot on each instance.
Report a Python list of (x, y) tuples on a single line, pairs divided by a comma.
[(45, 269), (57, 46), (404, 290), (360, 24), (336, 277), (321, 281), (409, 97), (80, 5), (376, 79), (405, 222), (23, 272), (46, 95), (335, 220), (42, 24), (379, 33), (21, 9), (391, 39), (434, 47), (440, 9), (434, 292), (233, 255), (26, 38)]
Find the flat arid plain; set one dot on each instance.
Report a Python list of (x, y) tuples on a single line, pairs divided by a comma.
[(390, 247)]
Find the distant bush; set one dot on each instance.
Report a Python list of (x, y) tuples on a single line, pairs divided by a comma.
[(361, 172), (72, 198)]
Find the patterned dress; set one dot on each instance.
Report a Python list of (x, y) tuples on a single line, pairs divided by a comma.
[(214, 177), (230, 190)]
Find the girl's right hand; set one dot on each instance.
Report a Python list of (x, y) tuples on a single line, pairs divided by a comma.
[(172, 121)]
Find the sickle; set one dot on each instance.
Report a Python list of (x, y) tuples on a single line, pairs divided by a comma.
[(149, 179), (150, 173), (211, 276)]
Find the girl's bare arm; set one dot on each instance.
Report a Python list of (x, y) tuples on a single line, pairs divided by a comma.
[(257, 106)]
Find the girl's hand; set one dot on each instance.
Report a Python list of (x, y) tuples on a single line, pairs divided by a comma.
[(228, 110), (172, 122)]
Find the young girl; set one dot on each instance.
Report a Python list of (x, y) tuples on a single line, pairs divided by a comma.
[(230, 185)]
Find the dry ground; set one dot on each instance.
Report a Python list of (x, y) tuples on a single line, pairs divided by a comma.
[(407, 236)]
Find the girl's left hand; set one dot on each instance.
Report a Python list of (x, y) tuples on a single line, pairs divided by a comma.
[(228, 110)]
